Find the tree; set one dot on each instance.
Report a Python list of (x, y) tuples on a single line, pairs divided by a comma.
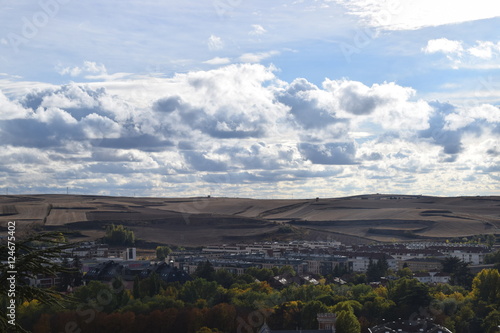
[(205, 270), (310, 314), (409, 295), (287, 269), (224, 278), (162, 252), (32, 259), (119, 235), (135, 288), (261, 274), (347, 323), (459, 271), (491, 322), (486, 286)]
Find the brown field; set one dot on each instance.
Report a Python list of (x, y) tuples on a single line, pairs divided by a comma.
[(201, 221)]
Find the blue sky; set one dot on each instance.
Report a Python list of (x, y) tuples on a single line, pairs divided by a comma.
[(250, 98)]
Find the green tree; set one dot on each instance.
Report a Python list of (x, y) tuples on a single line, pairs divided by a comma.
[(162, 252), (310, 313), (32, 259), (224, 278), (409, 295), (486, 286), (119, 235), (459, 271), (205, 270), (135, 288), (97, 295), (492, 322), (261, 274), (347, 323)]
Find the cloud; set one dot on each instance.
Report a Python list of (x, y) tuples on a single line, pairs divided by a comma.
[(215, 43), (417, 14), (89, 67), (218, 61), (257, 29), (388, 105), (444, 45), (307, 105), (485, 49), (256, 57), (329, 153), (10, 109), (241, 124), (200, 162), (481, 55)]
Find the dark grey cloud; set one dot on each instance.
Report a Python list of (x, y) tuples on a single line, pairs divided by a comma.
[(201, 163), (266, 176), (358, 103), (144, 142), (118, 168), (304, 107), (493, 151), (168, 104), (450, 140), (374, 156), (329, 153), (35, 134), (223, 124)]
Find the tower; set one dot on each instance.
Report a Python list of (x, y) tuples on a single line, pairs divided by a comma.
[(327, 321)]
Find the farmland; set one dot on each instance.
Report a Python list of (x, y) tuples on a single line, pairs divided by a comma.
[(201, 221)]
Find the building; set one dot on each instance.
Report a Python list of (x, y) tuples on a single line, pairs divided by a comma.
[(326, 322), (432, 277), (408, 326), (109, 270)]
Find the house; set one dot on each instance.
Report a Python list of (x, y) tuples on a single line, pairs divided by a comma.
[(408, 326), (432, 277)]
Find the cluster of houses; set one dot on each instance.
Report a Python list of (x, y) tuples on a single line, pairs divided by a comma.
[(308, 260), (323, 258)]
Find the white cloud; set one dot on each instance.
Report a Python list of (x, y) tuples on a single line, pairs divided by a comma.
[(417, 14), (444, 45), (11, 109), (257, 57), (467, 116), (482, 55), (257, 30), (485, 49), (89, 67), (215, 43), (218, 61), (389, 105), (241, 124)]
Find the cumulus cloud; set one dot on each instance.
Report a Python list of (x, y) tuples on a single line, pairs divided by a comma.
[(481, 55), (389, 105), (444, 45), (88, 67), (239, 124), (334, 153)]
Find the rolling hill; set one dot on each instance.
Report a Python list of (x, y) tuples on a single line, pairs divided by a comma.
[(201, 221)]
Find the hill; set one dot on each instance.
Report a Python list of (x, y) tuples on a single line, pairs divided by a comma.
[(201, 221)]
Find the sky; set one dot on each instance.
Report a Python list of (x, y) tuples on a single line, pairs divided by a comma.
[(258, 99)]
